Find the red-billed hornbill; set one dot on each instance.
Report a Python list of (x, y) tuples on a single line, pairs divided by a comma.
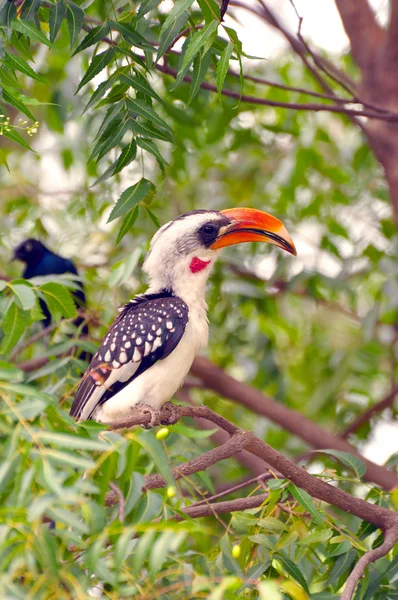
[(150, 347)]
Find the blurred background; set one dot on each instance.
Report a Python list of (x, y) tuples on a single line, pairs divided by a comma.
[(306, 132), (318, 333)]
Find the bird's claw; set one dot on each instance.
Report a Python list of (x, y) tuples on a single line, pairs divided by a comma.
[(155, 418), (168, 415), (172, 415)]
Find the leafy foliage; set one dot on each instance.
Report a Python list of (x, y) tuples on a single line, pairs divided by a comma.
[(130, 147)]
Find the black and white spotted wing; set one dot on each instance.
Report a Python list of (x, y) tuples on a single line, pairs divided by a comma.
[(147, 329)]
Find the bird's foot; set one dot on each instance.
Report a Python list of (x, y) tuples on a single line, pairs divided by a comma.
[(172, 414), (155, 418)]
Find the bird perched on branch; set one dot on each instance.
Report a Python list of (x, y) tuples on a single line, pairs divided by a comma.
[(41, 261), (150, 347)]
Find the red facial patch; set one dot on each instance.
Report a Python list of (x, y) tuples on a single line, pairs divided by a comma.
[(198, 265)]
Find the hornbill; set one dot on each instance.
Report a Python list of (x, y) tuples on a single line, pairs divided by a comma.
[(40, 261), (150, 347)]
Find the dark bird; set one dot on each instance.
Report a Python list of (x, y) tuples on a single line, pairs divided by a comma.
[(151, 345), (40, 261)]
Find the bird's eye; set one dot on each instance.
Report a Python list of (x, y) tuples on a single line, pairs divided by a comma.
[(209, 230), (208, 233)]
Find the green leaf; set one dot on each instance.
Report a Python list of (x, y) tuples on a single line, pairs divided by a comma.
[(140, 84), (8, 13), (112, 135), (198, 41), (191, 433), (3, 161), (306, 501), (153, 217), (149, 507), (97, 64), (68, 518), (13, 135), (31, 31), (200, 67), (117, 93), (30, 10), (150, 131), (95, 35), (10, 98), (349, 460), (160, 548), (292, 570), (8, 78), (75, 20), (177, 17), (150, 146), (14, 325), (178, 9), (233, 36), (142, 109), (146, 6), (210, 10), (127, 155), (127, 224), (101, 90), (57, 15), (111, 113), (131, 35), (75, 442), (131, 197), (182, 72), (68, 459), (25, 295), (222, 67), (16, 62), (58, 299)]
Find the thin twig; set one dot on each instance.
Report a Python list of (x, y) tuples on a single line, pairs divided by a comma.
[(290, 88), (235, 488), (372, 410), (207, 510), (118, 492), (220, 382), (42, 334), (377, 515), (390, 537), (309, 106)]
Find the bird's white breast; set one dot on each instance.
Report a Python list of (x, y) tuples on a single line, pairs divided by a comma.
[(156, 385)]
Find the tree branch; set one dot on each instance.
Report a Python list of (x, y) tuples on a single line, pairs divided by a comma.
[(309, 106), (317, 488), (217, 380), (372, 410), (254, 464), (361, 28), (301, 49), (196, 511), (390, 537)]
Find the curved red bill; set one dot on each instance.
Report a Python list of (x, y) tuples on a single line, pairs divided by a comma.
[(251, 225)]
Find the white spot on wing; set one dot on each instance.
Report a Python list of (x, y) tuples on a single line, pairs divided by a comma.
[(156, 343), (136, 355)]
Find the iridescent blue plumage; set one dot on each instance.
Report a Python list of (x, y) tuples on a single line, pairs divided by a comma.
[(41, 261)]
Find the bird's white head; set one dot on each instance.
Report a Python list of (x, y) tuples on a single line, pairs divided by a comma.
[(183, 251)]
